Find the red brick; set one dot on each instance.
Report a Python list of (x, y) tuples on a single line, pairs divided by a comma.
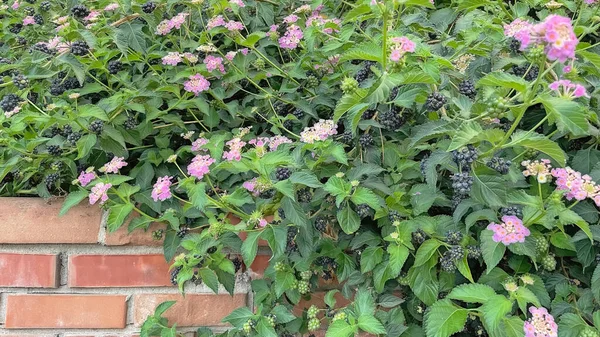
[(28, 335), (33, 220), (28, 270), (261, 262), (65, 311), (139, 237), (193, 310), (118, 271)]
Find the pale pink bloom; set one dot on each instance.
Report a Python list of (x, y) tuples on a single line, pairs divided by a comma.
[(192, 58), (111, 7), (541, 324), (54, 42), (235, 149), (244, 51), (590, 2), (93, 16), (303, 9), (162, 189), (511, 230), (568, 89), (28, 20), (230, 55), (61, 27), (234, 26), (400, 46), (164, 27), (274, 142), (318, 132), (196, 84), (567, 69), (250, 185), (198, 143), (216, 21), (262, 223), (61, 20), (99, 193), (13, 112), (114, 165), (576, 185), (200, 166), (15, 5), (239, 3), (537, 168), (86, 177), (178, 20), (291, 38), (172, 58), (214, 62), (290, 18)]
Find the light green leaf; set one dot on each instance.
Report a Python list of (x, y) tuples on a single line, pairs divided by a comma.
[(489, 190), (370, 324), (492, 251), (340, 328), (71, 200), (348, 220), (444, 319), (540, 143), (495, 310), (117, 215), (505, 80), (568, 115), (472, 293)]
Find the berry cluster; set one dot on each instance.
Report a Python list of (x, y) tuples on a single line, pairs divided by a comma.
[(148, 7), (45, 6), (130, 123), (473, 252), (80, 11), (248, 326), (364, 72), (54, 150), (467, 88), (499, 164), (114, 66), (20, 81), (435, 101), (182, 232), (512, 210), (158, 234), (589, 332), (329, 266), (237, 263), (419, 236), (321, 224), (366, 140), (10, 102), (291, 245), (73, 137), (368, 114), (454, 237), (541, 245), (363, 210), (80, 48), (97, 126), (548, 262), (529, 74), (282, 173), (312, 81), (465, 156), (349, 85), (394, 216), (461, 183), (496, 107), (347, 138), (452, 255), (174, 274), (304, 195), (51, 179), (391, 120)]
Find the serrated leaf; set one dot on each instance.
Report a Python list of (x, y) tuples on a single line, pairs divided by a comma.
[(495, 310), (209, 278), (492, 251), (71, 200), (489, 190), (348, 219), (568, 115), (370, 324), (306, 178), (505, 80), (340, 328), (250, 247), (444, 319), (540, 143), (472, 293), (117, 215)]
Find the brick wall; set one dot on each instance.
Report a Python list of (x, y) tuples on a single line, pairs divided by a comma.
[(67, 276)]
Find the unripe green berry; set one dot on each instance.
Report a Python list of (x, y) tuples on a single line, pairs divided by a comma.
[(279, 266), (349, 85), (549, 262), (312, 311), (305, 275), (303, 287), (339, 316), (314, 324)]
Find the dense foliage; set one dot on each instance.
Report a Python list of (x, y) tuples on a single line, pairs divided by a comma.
[(437, 160)]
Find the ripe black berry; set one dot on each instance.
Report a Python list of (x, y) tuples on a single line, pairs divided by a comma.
[(298, 113), (16, 28), (54, 150), (454, 237), (423, 165), (39, 19), (391, 120), (512, 210), (97, 126), (56, 87), (51, 179), (73, 137), (148, 7), (465, 157), (304, 195), (237, 263), (267, 194), (67, 130), (9, 102), (71, 83), (514, 45), (130, 123), (467, 88), (499, 164), (80, 48), (435, 101), (183, 231), (320, 224), (42, 47), (419, 237), (363, 210), (29, 10), (368, 114), (45, 6), (282, 173), (447, 263), (347, 138), (366, 140), (174, 274), (20, 81), (114, 66), (364, 72), (80, 11), (393, 94), (461, 183), (473, 252), (211, 250), (394, 216), (291, 240), (522, 71)]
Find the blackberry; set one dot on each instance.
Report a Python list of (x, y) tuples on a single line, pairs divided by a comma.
[(347, 138), (514, 46), (473, 252), (97, 126), (42, 47), (461, 183), (435, 101), (114, 66), (423, 165), (298, 113), (20, 81), (51, 179), (282, 173), (267, 194), (368, 114), (237, 263), (130, 123), (73, 137), (549, 262), (158, 234), (281, 213), (16, 28), (56, 87), (391, 120), (148, 7), (211, 250), (394, 216), (29, 10), (312, 81), (45, 6), (363, 210), (174, 274), (304, 195), (54, 131), (467, 88), (512, 210), (291, 245), (80, 48), (419, 236), (31, 1), (393, 94), (320, 224), (182, 232), (39, 19), (288, 124), (466, 156), (454, 237), (366, 140), (21, 41), (447, 263), (169, 44), (499, 164), (80, 11), (67, 130), (9, 102), (521, 71), (54, 150), (364, 72)]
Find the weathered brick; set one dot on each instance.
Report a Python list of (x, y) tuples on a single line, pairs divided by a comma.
[(65, 311), (261, 262), (118, 271), (139, 237), (193, 310), (33, 220), (28, 270)]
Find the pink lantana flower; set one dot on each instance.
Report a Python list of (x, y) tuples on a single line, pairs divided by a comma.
[(172, 59), (540, 169), (214, 62), (235, 149), (196, 84), (99, 193), (198, 143), (541, 324), (510, 230), (111, 7), (28, 20), (162, 189), (291, 38), (114, 165), (200, 166), (568, 89), (318, 132), (85, 177)]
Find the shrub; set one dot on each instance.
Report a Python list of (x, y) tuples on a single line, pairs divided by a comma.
[(446, 152)]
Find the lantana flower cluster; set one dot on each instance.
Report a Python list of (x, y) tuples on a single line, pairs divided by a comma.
[(318, 132), (256, 186), (510, 230), (400, 46), (578, 186), (555, 33), (166, 26), (568, 89), (540, 169), (541, 324), (162, 189)]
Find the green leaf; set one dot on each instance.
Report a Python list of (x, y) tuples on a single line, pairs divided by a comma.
[(524, 296), (209, 278), (161, 308), (369, 51), (197, 195), (305, 178), (71, 200), (492, 251), (363, 195), (444, 319), (505, 80), (251, 39), (568, 115), (239, 316), (130, 35), (283, 314), (495, 310), (426, 251), (293, 211), (370, 324), (263, 328), (465, 135), (489, 190), (348, 220), (596, 283), (398, 255), (117, 215), (584, 160), (340, 328), (570, 325), (286, 188), (369, 258), (540, 143), (422, 197), (430, 130), (92, 111), (472, 293), (357, 12), (250, 247), (170, 244)]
